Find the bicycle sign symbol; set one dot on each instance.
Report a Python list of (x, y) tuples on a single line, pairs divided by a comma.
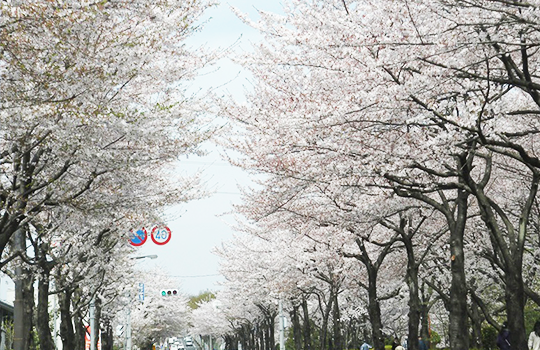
[(161, 235)]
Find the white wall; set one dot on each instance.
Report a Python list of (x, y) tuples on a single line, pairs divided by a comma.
[(7, 289)]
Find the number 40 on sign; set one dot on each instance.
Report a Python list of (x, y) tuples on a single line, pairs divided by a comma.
[(160, 235)]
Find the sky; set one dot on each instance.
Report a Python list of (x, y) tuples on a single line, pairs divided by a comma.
[(199, 226)]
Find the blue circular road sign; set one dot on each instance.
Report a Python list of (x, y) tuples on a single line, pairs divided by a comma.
[(138, 237)]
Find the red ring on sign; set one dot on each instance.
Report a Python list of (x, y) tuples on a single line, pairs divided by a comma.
[(154, 231), (142, 240)]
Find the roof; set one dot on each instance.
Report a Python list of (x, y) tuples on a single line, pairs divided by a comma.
[(6, 307)]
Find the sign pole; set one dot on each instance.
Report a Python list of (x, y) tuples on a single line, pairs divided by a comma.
[(281, 326), (93, 330), (128, 325)]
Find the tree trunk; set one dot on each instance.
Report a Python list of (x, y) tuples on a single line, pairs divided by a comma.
[(43, 328), (372, 268), (325, 318), (229, 341), (476, 323), (424, 330), (271, 331), (414, 306), (97, 320), (515, 304), (307, 325), (425, 306), (67, 334), (268, 339), (509, 241), (106, 335), (245, 334), (459, 337), (338, 341), (80, 328), (457, 329), (253, 338), (374, 311), (411, 279), (260, 337), (29, 306), (268, 325), (353, 341), (365, 330), (23, 306), (297, 328)]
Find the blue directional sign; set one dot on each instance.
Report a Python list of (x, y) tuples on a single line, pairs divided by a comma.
[(141, 292)]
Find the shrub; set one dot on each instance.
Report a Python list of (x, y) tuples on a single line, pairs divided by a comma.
[(489, 337), (434, 339)]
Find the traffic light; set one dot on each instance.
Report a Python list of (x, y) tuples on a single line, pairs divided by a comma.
[(169, 292)]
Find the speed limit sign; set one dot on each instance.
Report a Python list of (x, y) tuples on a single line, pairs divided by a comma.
[(161, 235)]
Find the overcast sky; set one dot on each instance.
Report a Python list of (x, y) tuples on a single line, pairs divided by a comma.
[(199, 226)]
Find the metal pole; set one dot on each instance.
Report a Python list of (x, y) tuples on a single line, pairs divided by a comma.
[(281, 327), (128, 328), (127, 345), (125, 329), (93, 330)]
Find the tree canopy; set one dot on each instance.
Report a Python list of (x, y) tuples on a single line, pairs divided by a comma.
[(397, 143)]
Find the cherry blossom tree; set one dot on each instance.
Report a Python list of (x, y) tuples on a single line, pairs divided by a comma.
[(93, 110), (158, 317), (418, 98), (209, 320)]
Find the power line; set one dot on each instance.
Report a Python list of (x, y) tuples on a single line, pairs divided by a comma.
[(194, 162), (197, 276)]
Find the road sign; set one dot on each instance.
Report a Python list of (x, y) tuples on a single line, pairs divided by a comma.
[(138, 237), (141, 292), (161, 235)]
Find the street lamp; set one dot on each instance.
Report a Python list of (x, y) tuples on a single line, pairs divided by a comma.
[(128, 325), (153, 256)]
